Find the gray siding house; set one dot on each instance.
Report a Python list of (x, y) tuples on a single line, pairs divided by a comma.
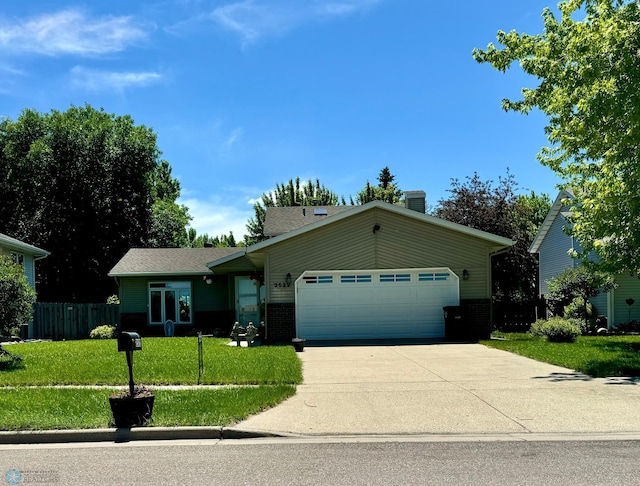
[(553, 244), (376, 271), (24, 254)]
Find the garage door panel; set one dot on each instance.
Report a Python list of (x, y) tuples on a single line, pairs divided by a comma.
[(381, 304)]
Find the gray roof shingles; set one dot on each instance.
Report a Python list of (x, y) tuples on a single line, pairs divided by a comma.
[(169, 261), (282, 220)]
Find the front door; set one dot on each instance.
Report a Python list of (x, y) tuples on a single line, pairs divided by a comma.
[(247, 301)]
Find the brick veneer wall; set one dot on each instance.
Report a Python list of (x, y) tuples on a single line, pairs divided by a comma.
[(281, 322), (477, 316)]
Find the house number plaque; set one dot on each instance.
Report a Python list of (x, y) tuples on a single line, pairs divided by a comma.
[(281, 285)]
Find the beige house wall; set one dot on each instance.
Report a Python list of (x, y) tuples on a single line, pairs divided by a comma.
[(401, 242)]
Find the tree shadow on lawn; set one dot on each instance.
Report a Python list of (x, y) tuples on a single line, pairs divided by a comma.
[(622, 359), (10, 361)]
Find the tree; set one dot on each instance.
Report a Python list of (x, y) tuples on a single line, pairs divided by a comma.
[(501, 211), (83, 184), (580, 283), (284, 195), (385, 191), (16, 296), (587, 64), (168, 225), (222, 241)]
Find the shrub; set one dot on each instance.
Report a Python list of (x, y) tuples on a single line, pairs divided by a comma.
[(16, 296), (103, 332), (113, 299), (557, 329), (628, 327), (575, 310)]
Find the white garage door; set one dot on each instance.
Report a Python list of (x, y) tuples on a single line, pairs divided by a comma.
[(374, 304)]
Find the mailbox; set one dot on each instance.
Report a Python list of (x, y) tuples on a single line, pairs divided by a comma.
[(129, 341)]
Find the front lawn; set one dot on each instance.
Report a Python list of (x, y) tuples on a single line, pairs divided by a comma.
[(267, 376), (162, 361), (64, 408), (597, 356)]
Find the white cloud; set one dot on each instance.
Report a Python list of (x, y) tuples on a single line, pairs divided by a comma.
[(234, 137), (69, 32), (216, 218), (98, 80), (254, 19)]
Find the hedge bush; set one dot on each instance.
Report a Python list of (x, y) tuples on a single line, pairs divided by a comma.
[(557, 329), (103, 332)]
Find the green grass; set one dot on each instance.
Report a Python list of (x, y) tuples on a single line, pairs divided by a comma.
[(27, 401), (162, 361), (56, 408), (597, 356)]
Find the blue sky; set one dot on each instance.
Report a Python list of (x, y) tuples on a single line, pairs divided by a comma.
[(246, 94)]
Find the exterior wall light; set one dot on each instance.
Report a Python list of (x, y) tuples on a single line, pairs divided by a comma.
[(288, 280), (465, 274)]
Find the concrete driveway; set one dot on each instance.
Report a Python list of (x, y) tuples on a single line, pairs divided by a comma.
[(446, 389)]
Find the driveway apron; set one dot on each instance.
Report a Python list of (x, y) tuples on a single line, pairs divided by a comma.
[(446, 389)]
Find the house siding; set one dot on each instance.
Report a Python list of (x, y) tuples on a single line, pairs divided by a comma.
[(134, 293), (401, 242), (628, 287), (28, 264), (553, 255)]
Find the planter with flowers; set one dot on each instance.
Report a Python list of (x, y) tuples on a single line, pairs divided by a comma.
[(132, 409)]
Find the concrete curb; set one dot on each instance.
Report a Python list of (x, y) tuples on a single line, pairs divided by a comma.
[(127, 435), (221, 433)]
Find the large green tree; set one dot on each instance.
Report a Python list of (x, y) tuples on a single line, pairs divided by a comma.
[(293, 193), (386, 190), (501, 210), (588, 65), (85, 185)]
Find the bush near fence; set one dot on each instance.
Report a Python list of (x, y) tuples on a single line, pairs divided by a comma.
[(71, 321)]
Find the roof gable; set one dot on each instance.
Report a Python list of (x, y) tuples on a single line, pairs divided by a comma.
[(498, 241), (17, 245), (168, 261), (556, 209)]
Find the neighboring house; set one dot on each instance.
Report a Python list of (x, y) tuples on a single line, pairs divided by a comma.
[(24, 254), (376, 271), (553, 244)]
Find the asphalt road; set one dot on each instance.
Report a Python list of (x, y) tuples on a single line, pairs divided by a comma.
[(403, 461)]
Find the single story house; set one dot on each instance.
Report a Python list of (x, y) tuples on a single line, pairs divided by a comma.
[(376, 271), (24, 254), (553, 245)]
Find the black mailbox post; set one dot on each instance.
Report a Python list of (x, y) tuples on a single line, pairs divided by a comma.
[(130, 342)]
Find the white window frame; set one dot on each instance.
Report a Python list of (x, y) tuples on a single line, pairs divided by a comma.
[(181, 289), (17, 258)]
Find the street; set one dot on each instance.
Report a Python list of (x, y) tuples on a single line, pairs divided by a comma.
[(407, 460)]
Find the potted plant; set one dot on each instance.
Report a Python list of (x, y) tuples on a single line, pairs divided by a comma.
[(132, 410), (298, 344)]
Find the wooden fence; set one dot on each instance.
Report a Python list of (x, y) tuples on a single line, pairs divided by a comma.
[(71, 321), (517, 317)]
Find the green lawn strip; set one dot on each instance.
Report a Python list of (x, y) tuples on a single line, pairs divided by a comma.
[(597, 356), (56, 408), (161, 361)]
